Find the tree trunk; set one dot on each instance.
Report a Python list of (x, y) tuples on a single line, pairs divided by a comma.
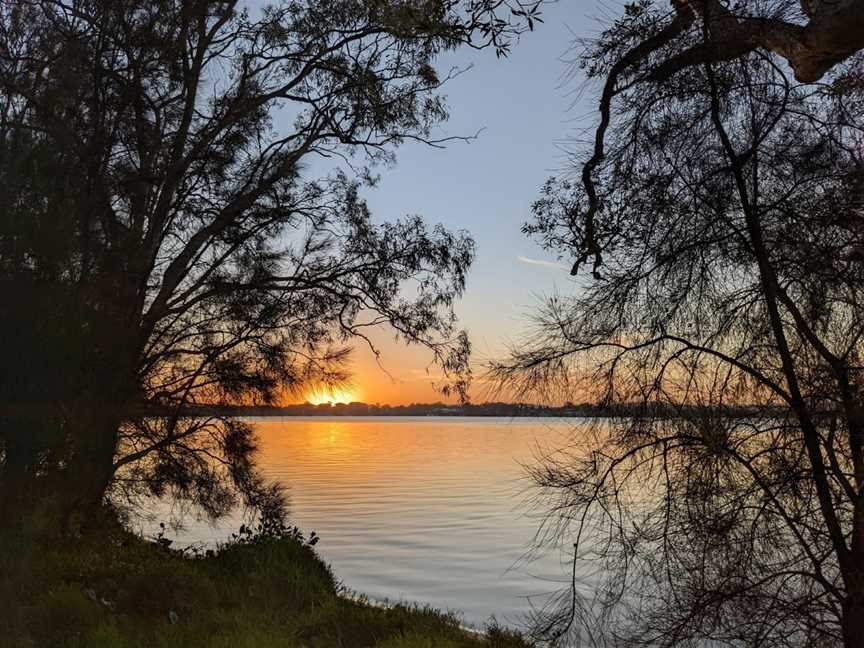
[(853, 615), (16, 475), (853, 605), (60, 466), (94, 421), (91, 467)]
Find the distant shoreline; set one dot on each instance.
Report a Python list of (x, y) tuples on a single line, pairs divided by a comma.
[(500, 410), (366, 410)]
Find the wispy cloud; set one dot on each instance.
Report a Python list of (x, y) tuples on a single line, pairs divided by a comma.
[(540, 262)]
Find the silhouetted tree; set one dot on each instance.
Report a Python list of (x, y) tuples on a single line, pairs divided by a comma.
[(722, 208), (649, 46), (165, 241), (812, 36)]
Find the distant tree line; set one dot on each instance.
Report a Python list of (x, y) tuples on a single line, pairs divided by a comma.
[(498, 409)]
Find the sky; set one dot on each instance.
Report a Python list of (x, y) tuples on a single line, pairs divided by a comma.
[(526, 107)]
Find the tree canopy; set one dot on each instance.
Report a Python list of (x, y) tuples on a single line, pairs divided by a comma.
[(720, 203), (650, 44), (183, 223)]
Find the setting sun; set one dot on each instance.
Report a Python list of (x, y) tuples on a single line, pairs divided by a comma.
[(333, 396)]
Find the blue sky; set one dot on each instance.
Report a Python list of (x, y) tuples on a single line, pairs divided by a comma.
[(524, 106)]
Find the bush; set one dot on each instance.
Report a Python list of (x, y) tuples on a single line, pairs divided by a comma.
[(267, 587)]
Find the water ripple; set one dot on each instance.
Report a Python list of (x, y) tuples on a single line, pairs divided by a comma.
[(427, 510)]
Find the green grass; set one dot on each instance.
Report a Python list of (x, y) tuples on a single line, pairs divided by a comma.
[(265, 593)]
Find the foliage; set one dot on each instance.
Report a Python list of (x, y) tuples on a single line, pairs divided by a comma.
[(183, 223), (726, 211)]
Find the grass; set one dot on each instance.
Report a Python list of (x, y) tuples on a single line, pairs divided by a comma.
[(116, 590)]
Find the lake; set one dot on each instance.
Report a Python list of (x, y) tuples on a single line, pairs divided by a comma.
[(427, 510)]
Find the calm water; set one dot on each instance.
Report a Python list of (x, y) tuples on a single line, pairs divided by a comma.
[(428, 510)]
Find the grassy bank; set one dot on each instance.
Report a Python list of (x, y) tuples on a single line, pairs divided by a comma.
[(116, 590)]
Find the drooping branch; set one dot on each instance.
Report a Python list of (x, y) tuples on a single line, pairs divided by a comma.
[(834, 33), (679, 24)]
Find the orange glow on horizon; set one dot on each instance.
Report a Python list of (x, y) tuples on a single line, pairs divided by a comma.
[(333, 396)]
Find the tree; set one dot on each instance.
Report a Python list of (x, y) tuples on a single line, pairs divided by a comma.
[(651, 46), (164, 241), (811, 35), (722, 208)]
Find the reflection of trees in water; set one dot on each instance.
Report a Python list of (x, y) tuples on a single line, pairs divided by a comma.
[(722, 208), (694, 526)]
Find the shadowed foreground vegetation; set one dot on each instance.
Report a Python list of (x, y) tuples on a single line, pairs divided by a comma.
[(263, 590)]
